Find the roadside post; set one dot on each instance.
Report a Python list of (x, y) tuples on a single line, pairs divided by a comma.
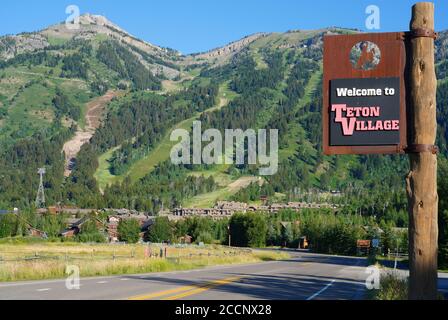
[(379, 92), (422, 178)]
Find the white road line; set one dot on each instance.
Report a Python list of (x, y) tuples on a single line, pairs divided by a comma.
[(321, 290), (101, 282), (42, 290), (124, 279)]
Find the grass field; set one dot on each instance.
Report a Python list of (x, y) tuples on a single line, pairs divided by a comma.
[(49, 260), (102, 174)]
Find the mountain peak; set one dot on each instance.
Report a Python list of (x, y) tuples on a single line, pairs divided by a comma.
[(91, 25), (98, 20)]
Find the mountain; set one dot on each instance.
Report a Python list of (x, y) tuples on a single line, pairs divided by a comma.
[(96, 106), (91, 27)]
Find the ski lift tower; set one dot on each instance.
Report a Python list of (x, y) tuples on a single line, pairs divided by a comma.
[(40, 198)]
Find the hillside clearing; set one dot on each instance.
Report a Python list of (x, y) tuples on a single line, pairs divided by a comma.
[(93, 115), (207, 200)]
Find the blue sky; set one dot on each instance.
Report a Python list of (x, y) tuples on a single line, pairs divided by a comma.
[(199, 25)]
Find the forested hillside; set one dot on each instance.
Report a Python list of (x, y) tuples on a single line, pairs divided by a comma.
[(270, 81)]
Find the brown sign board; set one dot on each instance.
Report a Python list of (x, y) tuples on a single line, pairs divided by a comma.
[(364, 107), (363, 243)]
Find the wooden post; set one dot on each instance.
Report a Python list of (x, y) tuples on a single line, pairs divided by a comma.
[(422, 179)]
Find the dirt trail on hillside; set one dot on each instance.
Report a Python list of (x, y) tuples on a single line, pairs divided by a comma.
[(242, 183), (94, 115)]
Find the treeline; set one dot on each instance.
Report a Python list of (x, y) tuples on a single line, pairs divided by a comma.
[(44, 57), (442, 70), (20, 161), (325, 231), (93, 230), (203, 230), (167, 186), (142, 120), (81, 188), (75, 66), (64, 107), (253, 193), (127, 65), (249, 78), (153, 59)]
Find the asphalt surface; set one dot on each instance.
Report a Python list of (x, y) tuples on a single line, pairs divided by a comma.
[(304, 276)]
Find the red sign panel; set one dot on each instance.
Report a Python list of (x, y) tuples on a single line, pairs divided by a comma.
[(364, 109)]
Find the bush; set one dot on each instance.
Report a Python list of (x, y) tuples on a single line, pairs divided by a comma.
[(392, 288), (205, 237), (332, 234), (248, 230), (8, 225), (90, 233), (160, 231), (129, 231)]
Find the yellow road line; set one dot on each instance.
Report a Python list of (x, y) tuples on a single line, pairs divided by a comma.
[(185, 291), (209, 286), (162, 293)]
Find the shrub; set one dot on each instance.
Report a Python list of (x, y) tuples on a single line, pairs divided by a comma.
[(205, 237), (90, 233), (160, 231), (129, 230), (392, 287), (248, 230)]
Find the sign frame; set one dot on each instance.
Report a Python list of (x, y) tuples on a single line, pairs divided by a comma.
[(337, 65)]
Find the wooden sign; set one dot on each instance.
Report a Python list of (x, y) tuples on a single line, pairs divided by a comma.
[(364, 109), (363, 243)]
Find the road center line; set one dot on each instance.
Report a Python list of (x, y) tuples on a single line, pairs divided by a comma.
[(321, 290), (185, 290), (162, 293), (42, 290), (211, 285)]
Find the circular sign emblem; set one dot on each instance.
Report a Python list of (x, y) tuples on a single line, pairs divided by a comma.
[(365, 56)]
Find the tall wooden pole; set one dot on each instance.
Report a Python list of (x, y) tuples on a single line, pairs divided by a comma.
[(422, 179)]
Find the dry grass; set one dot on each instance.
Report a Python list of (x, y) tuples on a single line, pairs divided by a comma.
[(49, 260), (392, 287)]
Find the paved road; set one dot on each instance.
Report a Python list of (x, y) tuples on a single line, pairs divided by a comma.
[(303, 277)]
